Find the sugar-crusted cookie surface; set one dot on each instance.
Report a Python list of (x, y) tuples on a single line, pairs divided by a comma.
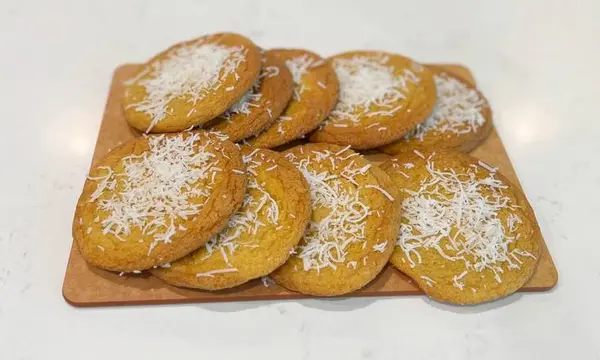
[(354, 222), (261, 105), (461, 119), (259, 237), (315, 94), (382, 97), (191, 82), (467, 235), (155, 199)]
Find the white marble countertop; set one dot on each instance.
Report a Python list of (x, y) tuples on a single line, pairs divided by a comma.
[(537, 61)]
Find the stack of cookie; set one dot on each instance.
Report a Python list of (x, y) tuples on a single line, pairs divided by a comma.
[(221, 189)]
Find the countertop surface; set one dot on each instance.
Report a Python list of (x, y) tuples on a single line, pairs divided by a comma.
[(537, 61)]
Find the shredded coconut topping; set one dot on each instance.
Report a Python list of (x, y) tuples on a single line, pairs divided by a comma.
[(368, 87), (247, 219), (252, 97), (246, 103), (267, 281), (299, 66), (156, 188), (380, 189), (429, 281), (212, 273), (191, 71), (269, 72), (380, 247), (280, 121), (344, 215), (451, 214), (457, 111)]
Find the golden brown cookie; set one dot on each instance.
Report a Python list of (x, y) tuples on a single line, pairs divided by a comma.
[(460, 121), (259, 236), (382, 97), (467, 235), (190, 83), (155, 199), (315, 94), (261, 105), (354, 223)]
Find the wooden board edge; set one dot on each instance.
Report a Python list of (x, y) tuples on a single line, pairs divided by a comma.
[(288, 297), (74, 302), (554, 270), (65, 290), (551, 269)]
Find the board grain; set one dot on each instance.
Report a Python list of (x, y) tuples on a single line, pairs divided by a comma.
[(85, 285)]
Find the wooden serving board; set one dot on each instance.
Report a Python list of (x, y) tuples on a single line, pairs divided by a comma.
[(88, 286)]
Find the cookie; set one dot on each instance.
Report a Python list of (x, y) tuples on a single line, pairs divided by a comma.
[(467, 235), (315, 94), (190, 83), (259, 236), (382, 97), (353, 227), (261, 105), (155, 199), (460, 121)]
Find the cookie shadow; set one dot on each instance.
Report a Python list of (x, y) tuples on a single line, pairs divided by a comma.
[(233, 306), (324, 304), (474, 309), (338, 304), (221, 301)]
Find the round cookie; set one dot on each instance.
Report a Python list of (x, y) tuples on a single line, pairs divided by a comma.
[(467, 235), (460, 121), (259, 236), (315, 94), (261, 105), (155, 199), (353, 227), (190, 83), (382, 97)]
